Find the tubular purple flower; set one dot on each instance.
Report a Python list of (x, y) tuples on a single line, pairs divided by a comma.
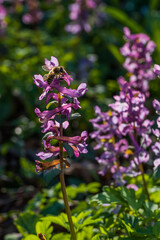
[(38, 80), (157, 162), (80, 13), (65, 109), (156, 70), (57, 119), (3, 23), (127, 119), (156, 132), (52, 63), (79, 141), (132, 186), (137, 51), (156, 105)]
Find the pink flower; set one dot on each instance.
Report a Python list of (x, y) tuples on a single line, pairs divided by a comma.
[(57, 118)]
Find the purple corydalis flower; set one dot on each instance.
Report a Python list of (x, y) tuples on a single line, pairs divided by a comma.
[(79, 141), (137, 51), (130, 109), (123, 133), (2, 12), (79, 14), (84, 14), (34, 14), (156, 132), (156, 105), (3, 23), (64, 101), (52, 63), (132, 186), (50, 114), (156, 70)]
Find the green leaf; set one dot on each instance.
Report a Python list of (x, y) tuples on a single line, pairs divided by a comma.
[(26, 223), (133, 238), (52, 207), (109, 195), (60, 118), (69, 149), (31, 237), (74, 116), (45, 228), (156, 229), (131, 220), (72, 191), (61, 220), (49, 175), (128, 227), (155, 196), (83, 219), (90, 221), (157, 213), (61, 236), (124, 19), (96, 237), (149, 209), (93, 187), (129, 196), (82, 215), (85, 234), (144, 231)]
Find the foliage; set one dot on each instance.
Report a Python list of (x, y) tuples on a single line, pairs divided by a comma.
[(49, 204), (115, 213), (92, 57)]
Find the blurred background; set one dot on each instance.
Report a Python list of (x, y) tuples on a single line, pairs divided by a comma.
[(86, 40)]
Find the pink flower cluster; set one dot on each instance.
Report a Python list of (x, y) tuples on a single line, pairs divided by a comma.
[(137, 51), (3, 23), (79, 14), (124, 133), (34, 14), (65, 101), (156, 132)]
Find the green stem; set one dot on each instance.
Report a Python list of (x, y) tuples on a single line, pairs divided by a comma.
[(62, 180), (144, 181), (135, 143)]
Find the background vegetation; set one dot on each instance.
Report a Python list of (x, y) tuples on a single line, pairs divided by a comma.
[(92, 57)]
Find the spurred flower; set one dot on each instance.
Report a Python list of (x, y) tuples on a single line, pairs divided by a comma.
[(156, 132), (137, 51), (123, 133), (156, 70), (57, 118)]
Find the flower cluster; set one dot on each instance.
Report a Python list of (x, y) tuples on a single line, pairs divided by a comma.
[(34, 14), (3, 23), (156, 132), (55, 120), (137, 50), (123, 133), (79, 15)]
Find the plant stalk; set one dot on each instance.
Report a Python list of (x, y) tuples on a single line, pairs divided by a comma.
[(62, 180), (136, 145), (144, 181)]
